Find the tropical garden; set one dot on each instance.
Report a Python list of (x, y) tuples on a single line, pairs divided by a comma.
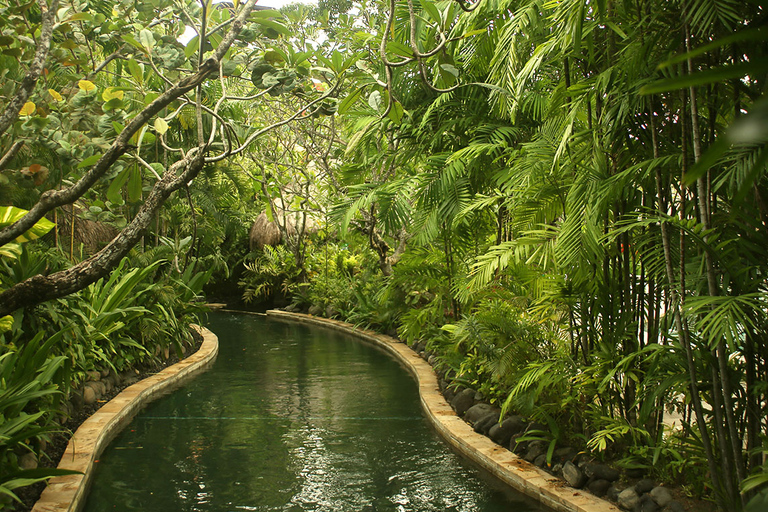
[(565, 201)]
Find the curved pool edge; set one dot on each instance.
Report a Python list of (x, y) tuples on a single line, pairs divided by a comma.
[(503, 464), (68, 493)]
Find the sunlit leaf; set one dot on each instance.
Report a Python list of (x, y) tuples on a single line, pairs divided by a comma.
[(374, 100), (86, 85), (147, 39), (161, 126), (55, 95), (81, 16), (6, 323), (111, 93), (136, 71), (192, 46), (28, 109), (11, 214)]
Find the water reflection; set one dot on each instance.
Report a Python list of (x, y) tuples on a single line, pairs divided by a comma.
[(289, 419)]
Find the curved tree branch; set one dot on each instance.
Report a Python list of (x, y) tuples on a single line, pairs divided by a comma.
[(54, 198), (40, 288)]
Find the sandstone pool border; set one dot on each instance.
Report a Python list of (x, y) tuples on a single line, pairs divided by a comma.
[(503, 464), (68, 493)]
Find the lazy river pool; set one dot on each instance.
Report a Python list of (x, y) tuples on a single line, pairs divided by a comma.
[(291, 418)]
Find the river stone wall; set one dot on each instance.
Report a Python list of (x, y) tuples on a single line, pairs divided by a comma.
[(502, 463), (68, 493)]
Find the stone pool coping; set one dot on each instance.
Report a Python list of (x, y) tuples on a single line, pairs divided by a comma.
[(503, 464), (68, 493)]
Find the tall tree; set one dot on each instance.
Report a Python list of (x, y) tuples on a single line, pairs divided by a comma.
[(123, 80)]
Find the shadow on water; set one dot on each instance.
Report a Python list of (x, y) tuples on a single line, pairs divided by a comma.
[(290, 418)]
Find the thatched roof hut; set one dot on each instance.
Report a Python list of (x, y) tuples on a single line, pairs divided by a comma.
[(264, 232), (93, 235)]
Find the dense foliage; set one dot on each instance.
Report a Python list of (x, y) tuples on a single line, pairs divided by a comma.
[(565, 201)]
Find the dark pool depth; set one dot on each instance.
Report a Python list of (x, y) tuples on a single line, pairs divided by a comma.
[(290, 418)]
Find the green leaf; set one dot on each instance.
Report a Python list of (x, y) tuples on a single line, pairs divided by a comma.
[(6, 323), (707, 161), (113, 104), (117, 127), (274, 57), (277, 27), (133, 42), (350, 100), (750, 35), (709, 76), (396, 112), (192, 46), (11, 214), (430, 8), (136, 71), (399, 49), (134, 185), (338, 62), (616, 29), (215, 40), (760, 502), (475, 32), (450, 69), (89, 161), (81, 16), (150, 97), (374, 100), (147, 40), (266, 13), (113, 192)]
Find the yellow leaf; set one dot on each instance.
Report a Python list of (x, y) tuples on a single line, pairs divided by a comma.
[(6, 323), (86, 85), (110, 93), (161, 126), (55, 95), (28, 109)]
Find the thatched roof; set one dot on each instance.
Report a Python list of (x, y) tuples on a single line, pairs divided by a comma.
[(93, 235), (264, 232)]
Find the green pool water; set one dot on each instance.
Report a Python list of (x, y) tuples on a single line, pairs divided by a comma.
[(290, 418)]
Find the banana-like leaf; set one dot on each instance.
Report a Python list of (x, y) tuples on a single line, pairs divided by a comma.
[(11, 214)]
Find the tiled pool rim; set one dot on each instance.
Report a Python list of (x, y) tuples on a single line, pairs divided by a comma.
[(68, 493), (519, 474)]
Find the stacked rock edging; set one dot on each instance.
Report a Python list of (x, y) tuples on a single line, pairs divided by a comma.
[(67, 493), (501, 463), (573, 467)]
